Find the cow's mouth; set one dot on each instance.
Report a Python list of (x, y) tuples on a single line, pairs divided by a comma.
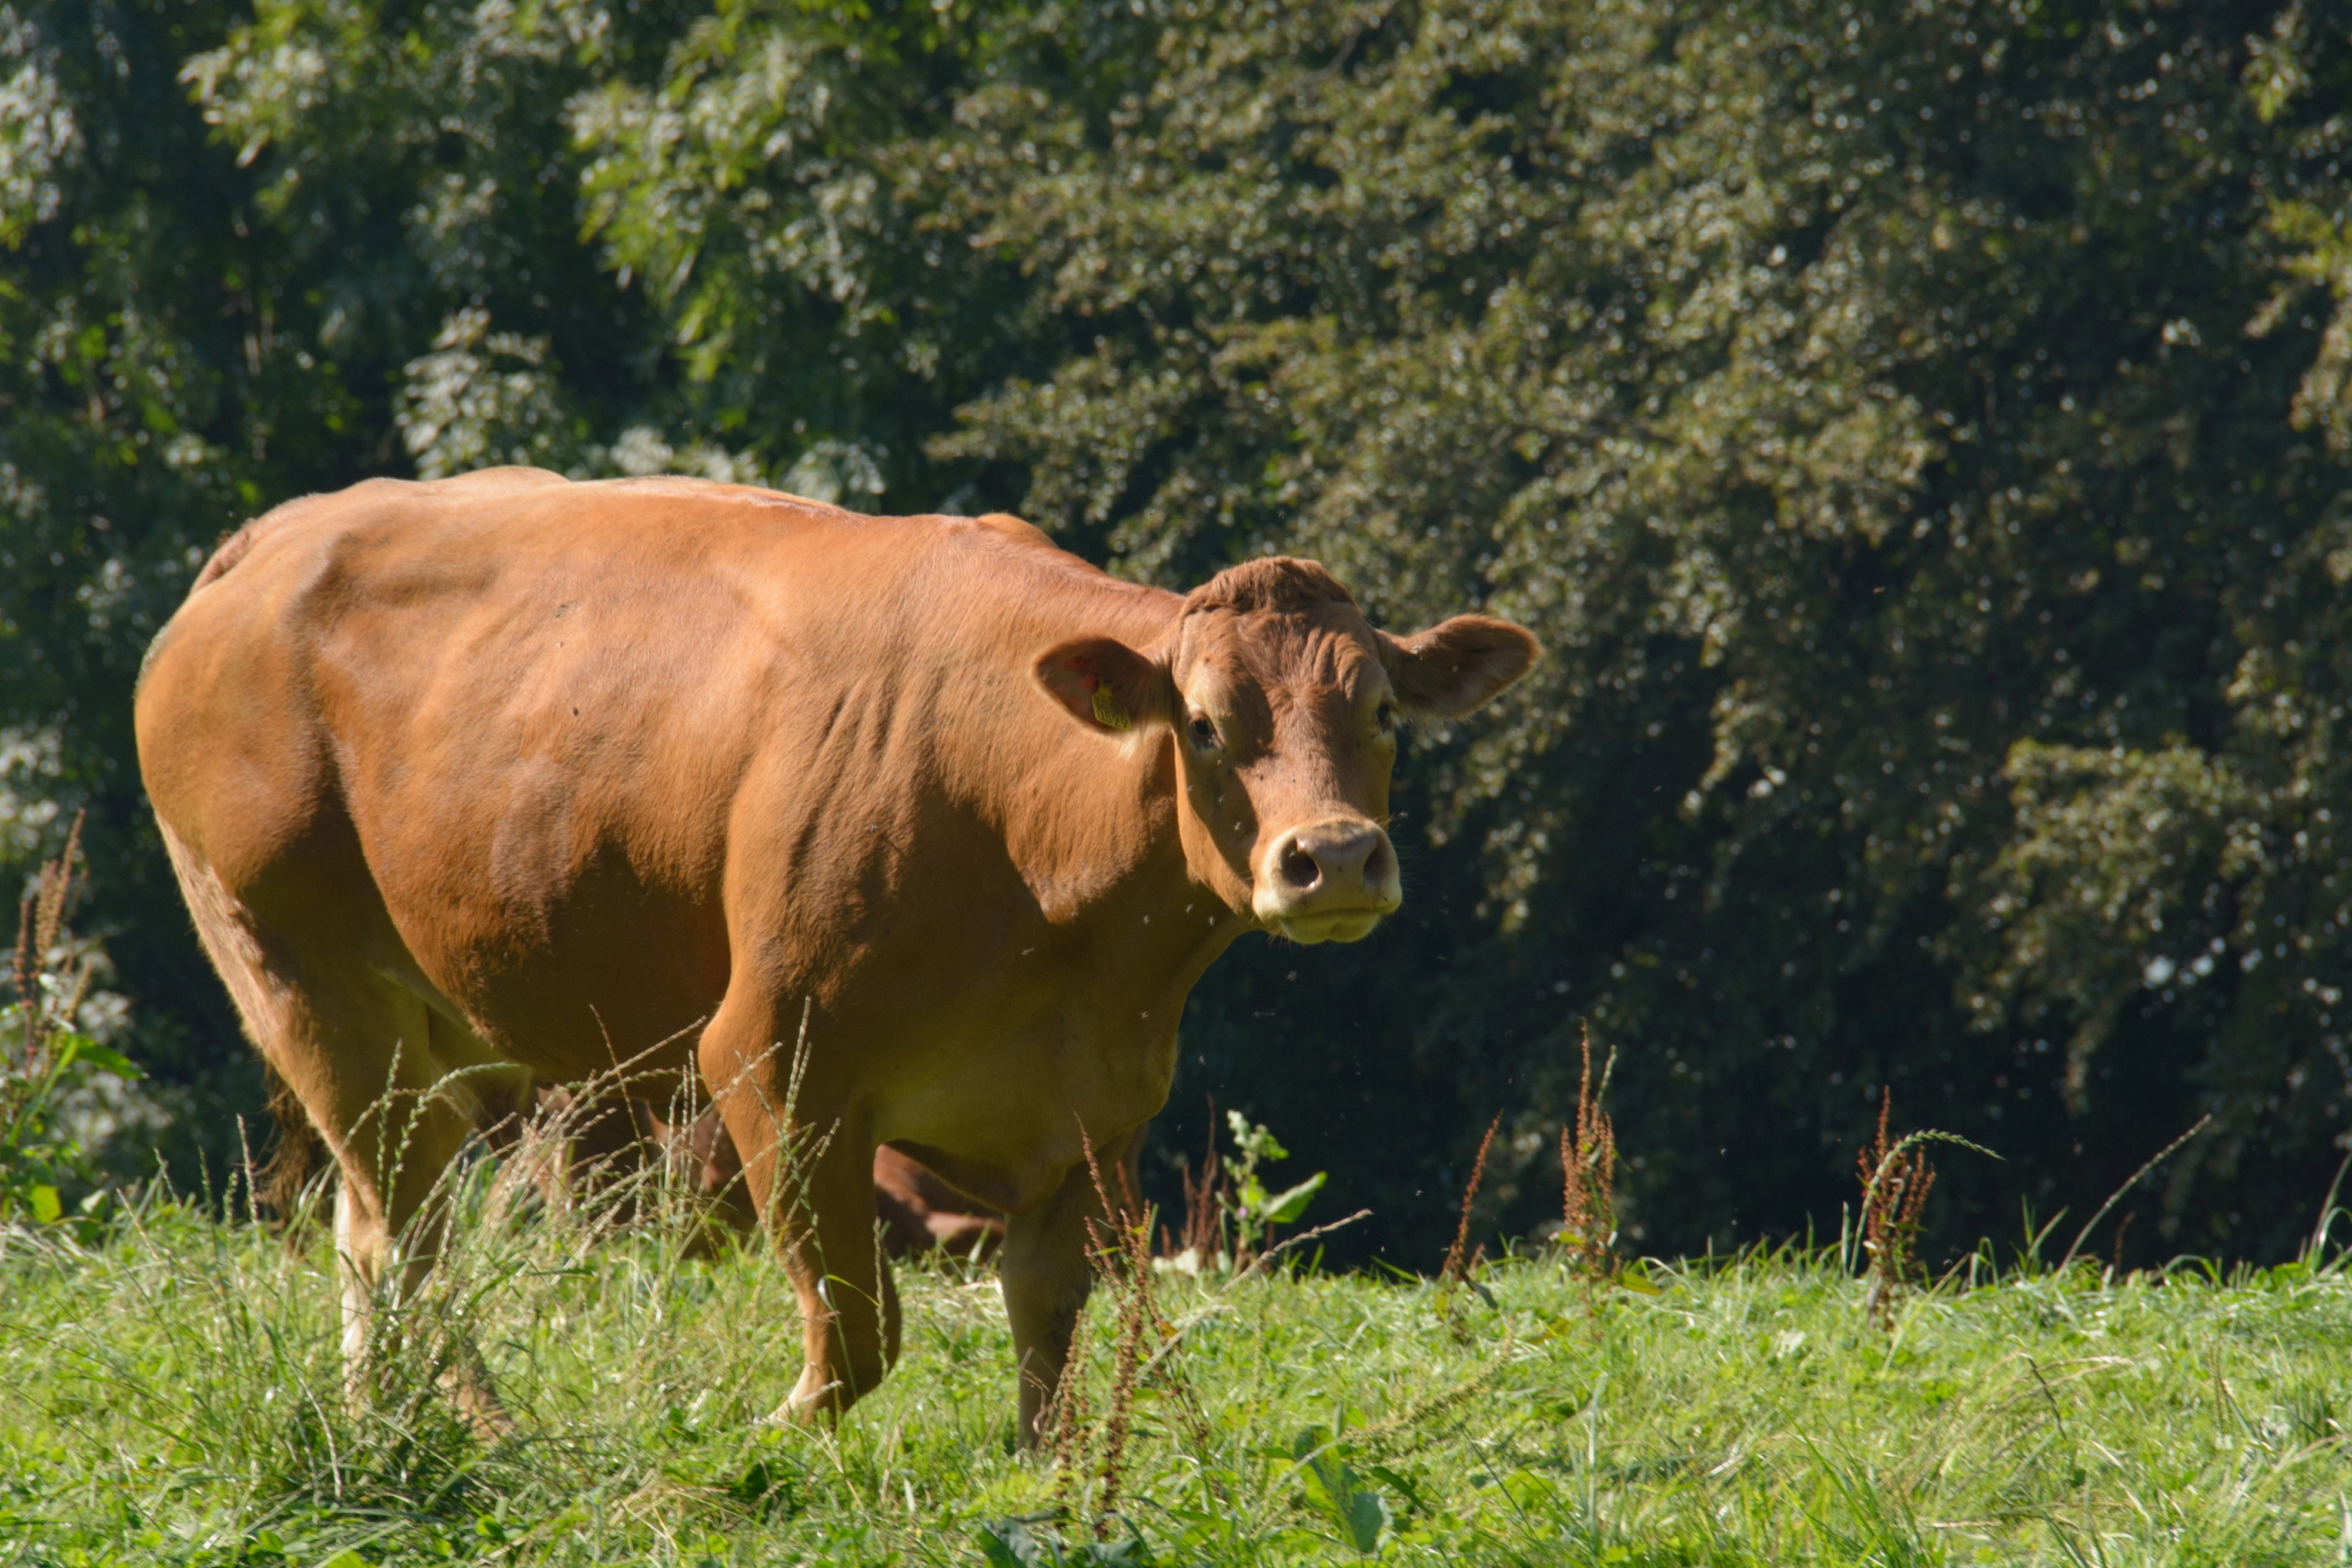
[(1309, 927)]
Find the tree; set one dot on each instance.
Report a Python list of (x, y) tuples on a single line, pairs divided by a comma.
[(1918, 435), (1864, 410), (231, 241)]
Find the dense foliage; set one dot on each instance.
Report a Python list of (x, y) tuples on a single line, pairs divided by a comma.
[(1921, 435)]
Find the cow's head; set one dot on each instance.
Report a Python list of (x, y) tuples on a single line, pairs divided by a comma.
[(1283, 704)]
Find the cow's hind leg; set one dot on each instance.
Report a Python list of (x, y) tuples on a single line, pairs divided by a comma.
[(359, 1052), (606, 1146), (397, 1116), (359, 1056)]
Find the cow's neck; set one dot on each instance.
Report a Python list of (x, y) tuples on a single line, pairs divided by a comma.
[(1090, 820), (1092, 830)]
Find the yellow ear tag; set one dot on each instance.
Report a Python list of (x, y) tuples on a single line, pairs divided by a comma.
[(1109, 712)]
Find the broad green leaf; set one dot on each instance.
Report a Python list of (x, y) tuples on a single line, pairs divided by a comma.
[(112, 1061), (1367, 1515), (45, 1206), (1284, 1207)]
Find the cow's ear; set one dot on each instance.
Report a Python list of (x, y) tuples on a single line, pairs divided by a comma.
[(1105, 685), (1456, 665)]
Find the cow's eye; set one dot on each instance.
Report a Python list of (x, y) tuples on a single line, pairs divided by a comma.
[(1204, 733), (1385, 715)]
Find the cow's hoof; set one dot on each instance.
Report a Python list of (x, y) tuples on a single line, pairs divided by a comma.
[(471, 1388), (808, 1406), (485, 1412)]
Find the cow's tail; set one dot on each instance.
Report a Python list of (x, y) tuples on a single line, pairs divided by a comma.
[(226, 555), (223, 559), (296, 1155)]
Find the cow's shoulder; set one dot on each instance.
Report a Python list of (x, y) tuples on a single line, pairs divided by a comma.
[(753, 500), (513, 476)]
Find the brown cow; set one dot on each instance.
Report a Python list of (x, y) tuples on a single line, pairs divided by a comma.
[(470, 784)]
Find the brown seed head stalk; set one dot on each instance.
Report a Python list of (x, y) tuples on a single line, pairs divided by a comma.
[(1588, 1163)]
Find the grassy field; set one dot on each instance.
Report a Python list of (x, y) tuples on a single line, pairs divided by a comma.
[(173, 1395)]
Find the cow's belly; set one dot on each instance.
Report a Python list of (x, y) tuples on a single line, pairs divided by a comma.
[(598, 985), (1001, 1118), (988, 1083)]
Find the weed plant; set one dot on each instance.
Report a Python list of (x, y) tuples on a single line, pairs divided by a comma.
[(44, 1055), (1896, 1182), (1587, 1172), (173, 1394), (1230, 1219)]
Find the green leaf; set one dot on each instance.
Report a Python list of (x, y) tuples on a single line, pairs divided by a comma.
[(1284, 1207), (46, 1207), (97, 1055), (1396, 1481), (1334, 1484)]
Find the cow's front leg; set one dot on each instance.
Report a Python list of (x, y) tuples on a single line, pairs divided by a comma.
[(815, 1191), (1046, 1280), (811, 1182), (849, 1304)]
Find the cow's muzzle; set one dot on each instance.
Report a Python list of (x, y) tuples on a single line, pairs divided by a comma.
[(1329, 881)]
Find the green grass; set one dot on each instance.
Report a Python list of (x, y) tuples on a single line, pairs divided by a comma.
[(173, 1395)]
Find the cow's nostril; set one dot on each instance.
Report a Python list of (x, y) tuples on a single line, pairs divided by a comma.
[(1299, 869), (1377, 864)]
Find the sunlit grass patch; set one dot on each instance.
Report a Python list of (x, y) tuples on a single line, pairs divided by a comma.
[(177, 1394)]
